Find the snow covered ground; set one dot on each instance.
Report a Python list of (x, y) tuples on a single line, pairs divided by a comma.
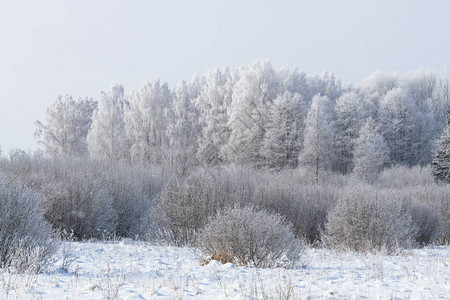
[(136, 270)]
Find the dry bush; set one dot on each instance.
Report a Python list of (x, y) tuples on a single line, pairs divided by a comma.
[(77, 202), (429, 206), (182, 209), (427, 222), (133, 190), (305, 206), (27, 241), (369, 220), (404, 177), (92, 199), (245, 236)]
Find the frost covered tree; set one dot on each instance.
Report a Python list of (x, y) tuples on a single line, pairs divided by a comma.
[(350, 113), (213, 103), (420, 88), (371, 152), (331, 86), (107, 139), (293, 81), (325, 84), (409, 110), (319, 136), (441, 161), (281, 143), (379, 84), (68, 124), (253, 94), (296, 83), (183, 127), (441, 103), (145, 122), (398, 122)]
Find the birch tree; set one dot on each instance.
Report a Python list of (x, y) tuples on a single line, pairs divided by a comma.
[(107, 139), (68, 124), (213, 104), (318, 137), (281, 144), (253, 94), (371, 152), (183, 128), (145, 122)]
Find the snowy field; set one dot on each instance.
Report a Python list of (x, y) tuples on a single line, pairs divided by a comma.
[(138, 271)]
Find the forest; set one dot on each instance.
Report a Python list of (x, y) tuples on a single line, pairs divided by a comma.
[(248, 164)]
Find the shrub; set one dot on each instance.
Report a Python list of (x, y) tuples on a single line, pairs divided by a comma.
[(133, 190), (304, 206), (427, 222), (245, 236), (77, 203), (26, 239), (182, 209), (437, 198), (366, 219), (405, 177)]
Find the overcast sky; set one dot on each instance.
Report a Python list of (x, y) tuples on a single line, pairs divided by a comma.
[(51, 48)]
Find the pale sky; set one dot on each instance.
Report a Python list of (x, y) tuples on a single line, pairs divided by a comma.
[(51, 48)]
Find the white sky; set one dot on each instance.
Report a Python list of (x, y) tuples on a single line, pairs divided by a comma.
[(48, 48)]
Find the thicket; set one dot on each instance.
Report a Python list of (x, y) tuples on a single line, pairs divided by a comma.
[(393, 212), (94, 199), (89, 199), (184, 205)]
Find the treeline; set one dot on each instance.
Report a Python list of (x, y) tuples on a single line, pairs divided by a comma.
[(259, 117), (96, 199)]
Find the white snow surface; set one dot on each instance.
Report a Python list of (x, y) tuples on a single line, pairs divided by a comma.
[(137, 270)]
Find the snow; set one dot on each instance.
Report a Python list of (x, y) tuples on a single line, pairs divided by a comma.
[(137, 270)]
